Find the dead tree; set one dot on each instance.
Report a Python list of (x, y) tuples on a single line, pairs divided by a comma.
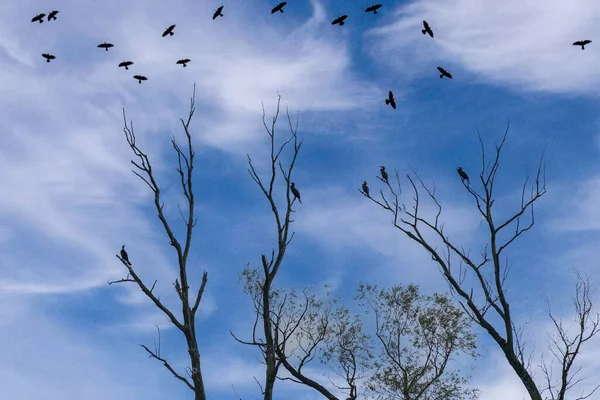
[(483, 295), (185, 322)]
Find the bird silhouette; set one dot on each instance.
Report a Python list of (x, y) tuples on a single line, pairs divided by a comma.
[(140, 78), (373, 8), (105, 46), (39, 17), (278, 7), (384, 174), (463, 175), (444, 73), (169, 31), (295, 192), (339, 20), (48, 57), (365, 188), (184, 62), (390, 100), (124, 255), (218, 13), (582, 43), (427, 29), (126, 64), (52, 15)]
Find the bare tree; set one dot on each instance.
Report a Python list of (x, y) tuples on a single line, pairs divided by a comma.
[(484, 295), (185, 322)]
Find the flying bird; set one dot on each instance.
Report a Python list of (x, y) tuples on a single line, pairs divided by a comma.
[(218, 13), (339, 20), (427, 29), (444, 73), (126, 64), (39, 17), (169, 31), (390, 100), (373, 8), (365, 188), (295, 192), (463, 175), (48, 57), (278, 7), (124, 255), (140, 78), (384, 173), (582, 43), (184, 62), (105, 46), (52, 15)]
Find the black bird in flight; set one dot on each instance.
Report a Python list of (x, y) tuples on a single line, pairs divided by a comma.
[(365, 188), (295, 192), (126, 64), (39, 17), (384, 173), (582, 43), (184, 62), (124, 255), (444, 73), (48, 57), (427, 29), (105, 46), (373, 8), (52, 15), (390, 100), (140, 78), (169, 31), (339, 20), (463, 175), (218, 13), (278, 7)]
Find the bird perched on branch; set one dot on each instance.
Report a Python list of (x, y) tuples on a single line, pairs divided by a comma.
[(124, 255), (105, 46), (339, 20), (444, 73), (169, 31), (365, 188), (427, 29), (183, 62), (52, 15), (373, 8), (582, 43), (390, 100), (218, 13), (463, 175), (140, 78), (39, 17), (48, 57), (126, 64), (295, 192), (278, 7), (384, 174)]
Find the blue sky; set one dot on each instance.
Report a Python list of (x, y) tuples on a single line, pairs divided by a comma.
[(69, 199)]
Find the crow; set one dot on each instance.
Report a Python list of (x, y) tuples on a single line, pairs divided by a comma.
[(52, 15), (140, 78), (105, 46), (218, 13), (295, 192), (169, 31), (124, 255), (365, 188), (463, 175), (582, 43), (384, 174), (390, 100), (39, 17), (444, 73), (184, 62), (278, 7), (427, 29), (373, 8), (339, 20), (48, 57), (126, 64)]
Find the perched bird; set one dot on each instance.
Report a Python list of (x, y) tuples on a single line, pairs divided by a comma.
[(184, 62), (365, 188), (295, 192), (140, 78), (52, 15), (169, 31), (339, 20), (384, 173), (48, 57), (582, 43), (463, 175), (39, 17), (444, 73), (218, 13), (373, 8), (126, 64), (427, 29), (278, 7), (105, 46), (390, 100), (124, 255)]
